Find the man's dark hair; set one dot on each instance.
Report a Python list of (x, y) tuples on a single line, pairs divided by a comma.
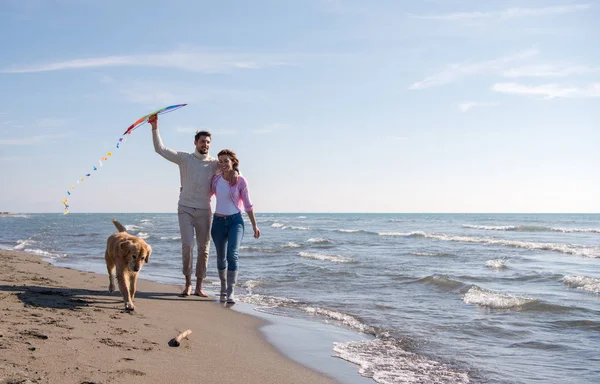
[(201, 133)]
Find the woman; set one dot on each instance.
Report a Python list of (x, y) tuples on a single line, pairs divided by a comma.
[(228, 225)]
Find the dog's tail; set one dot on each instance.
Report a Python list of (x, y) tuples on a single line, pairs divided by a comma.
[(120, 228)]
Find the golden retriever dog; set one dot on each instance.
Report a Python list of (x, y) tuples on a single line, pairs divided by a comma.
[(126, 254)]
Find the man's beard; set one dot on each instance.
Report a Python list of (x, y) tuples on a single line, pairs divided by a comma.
[(202, 151)]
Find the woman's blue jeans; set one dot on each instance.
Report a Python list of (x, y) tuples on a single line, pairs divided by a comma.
[(227, 233)]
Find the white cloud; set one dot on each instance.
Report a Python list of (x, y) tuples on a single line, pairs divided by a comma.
[(458, 71), (194, 61), (550, 70), (271, 128), (468, 105), (509, 13), (548, 91)]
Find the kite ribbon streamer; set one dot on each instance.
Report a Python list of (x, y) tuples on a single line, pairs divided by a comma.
[(121, 140)]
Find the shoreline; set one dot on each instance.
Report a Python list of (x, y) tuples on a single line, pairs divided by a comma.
[(62, 325)]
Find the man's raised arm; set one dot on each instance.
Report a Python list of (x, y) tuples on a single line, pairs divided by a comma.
[(159, 147)]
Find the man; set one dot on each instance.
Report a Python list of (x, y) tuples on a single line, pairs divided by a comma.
[(195, 171)]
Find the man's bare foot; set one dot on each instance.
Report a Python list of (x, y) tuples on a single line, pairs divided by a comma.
[(187, 291), (200, 293)]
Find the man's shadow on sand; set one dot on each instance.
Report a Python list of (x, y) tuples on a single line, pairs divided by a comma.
[(73, 298)]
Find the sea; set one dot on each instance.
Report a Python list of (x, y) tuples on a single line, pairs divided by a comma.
[(431, 298)]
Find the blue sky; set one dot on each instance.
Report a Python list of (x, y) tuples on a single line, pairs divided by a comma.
[(331, 105)]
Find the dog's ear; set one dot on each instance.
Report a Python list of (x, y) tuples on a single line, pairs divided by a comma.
[(128, 247), (124, 245), (149, 252)]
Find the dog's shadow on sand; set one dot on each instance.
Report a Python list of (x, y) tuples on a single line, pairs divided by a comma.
[(73, 299)]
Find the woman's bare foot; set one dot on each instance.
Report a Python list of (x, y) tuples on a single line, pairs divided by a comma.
[(200, 293), (187, 291)]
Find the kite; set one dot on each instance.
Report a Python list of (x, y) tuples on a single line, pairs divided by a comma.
[(144, 119), (121, 141)]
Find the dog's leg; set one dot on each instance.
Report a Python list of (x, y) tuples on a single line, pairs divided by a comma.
[(124, 288), (110, 266), (132, 284)]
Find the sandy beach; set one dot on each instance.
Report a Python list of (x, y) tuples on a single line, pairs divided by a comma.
[(62, 326)]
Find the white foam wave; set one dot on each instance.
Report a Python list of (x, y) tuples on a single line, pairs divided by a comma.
[(319, 240), (250, 284), (301, 217), (349, 230), (490, 299), (277, 225), (491, 227), (45, 253), (258, 249), (132, 227), (145, 221), (386, 362), (428, 254), (572, 230), (343, 318), (291, 244), (21, 244), (296, 228), (529, 228), (571, 249), (401, 234), (326, 257), (172, 238), (496, 263), (589, 284), (268, 301), (143, 235)]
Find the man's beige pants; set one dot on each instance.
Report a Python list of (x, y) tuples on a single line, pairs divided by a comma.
[(198, 220)]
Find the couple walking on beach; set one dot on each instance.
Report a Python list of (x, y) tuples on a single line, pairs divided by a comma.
[(201, 177)]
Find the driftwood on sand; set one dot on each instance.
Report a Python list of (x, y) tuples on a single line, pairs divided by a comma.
[(175, 342)]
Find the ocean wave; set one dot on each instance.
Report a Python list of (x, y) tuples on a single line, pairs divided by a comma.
[(264, 301), (291, 244), (339, 317), (326, 257), (296, 228), (21, 244), (143, 235), (319, 240), (258, 249), (132, 227), (499, 264), (436, 254), (495, 300), (277, 225), (531, 228), (171, 238), (386, 362), (571, 249), (443, 282), (251, 284), (356, 231), (589, 284)]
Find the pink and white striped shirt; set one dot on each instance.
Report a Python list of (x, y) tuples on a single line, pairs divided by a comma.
[(239, 192)]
